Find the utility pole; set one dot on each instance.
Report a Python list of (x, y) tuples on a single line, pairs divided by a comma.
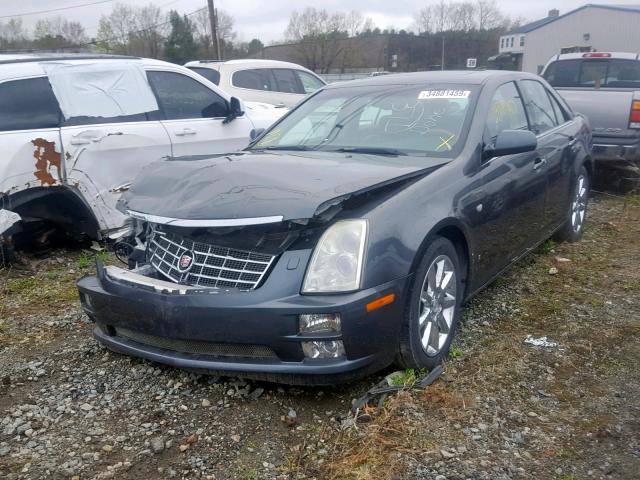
[(442, 59), (214, 30)]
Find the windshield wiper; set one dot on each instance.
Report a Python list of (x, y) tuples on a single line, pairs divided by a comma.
[(300, 148), (371, 150)]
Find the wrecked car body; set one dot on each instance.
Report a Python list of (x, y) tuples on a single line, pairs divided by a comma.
[(76, 129), (347, 236)]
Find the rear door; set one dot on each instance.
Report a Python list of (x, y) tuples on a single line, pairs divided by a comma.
[(194, 116), (555, 155), (104, 155), (254, 84), (29, 136), (289, 89)]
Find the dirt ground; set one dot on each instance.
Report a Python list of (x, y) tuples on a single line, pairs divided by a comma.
[(503, 409)]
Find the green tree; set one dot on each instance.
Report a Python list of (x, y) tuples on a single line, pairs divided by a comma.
[(180, 46), (255, 46)]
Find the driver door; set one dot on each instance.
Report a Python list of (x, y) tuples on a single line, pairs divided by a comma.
[(193, 115)]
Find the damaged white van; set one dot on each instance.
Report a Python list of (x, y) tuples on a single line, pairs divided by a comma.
[(76, 129)]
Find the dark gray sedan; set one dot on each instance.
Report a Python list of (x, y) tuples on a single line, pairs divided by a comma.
[(348, 235)]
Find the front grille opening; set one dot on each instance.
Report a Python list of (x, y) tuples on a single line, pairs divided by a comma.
[(200, 347), (212, 266)]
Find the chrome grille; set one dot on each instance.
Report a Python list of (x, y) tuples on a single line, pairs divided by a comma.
[(212, 266)]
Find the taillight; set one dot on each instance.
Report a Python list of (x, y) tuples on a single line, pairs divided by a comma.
[(634, 116)]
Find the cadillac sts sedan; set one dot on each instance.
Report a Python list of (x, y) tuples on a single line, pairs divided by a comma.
[(349, 234)]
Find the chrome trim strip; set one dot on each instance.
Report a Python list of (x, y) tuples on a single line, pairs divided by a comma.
[(222, 222), (120, 274)]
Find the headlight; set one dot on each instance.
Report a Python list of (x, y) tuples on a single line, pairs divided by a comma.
[(336, 264)]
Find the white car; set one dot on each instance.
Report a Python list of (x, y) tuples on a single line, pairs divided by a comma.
[(76, 129), (282, 84)]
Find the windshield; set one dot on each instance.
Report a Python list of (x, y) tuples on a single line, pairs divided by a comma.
[(426, 120)]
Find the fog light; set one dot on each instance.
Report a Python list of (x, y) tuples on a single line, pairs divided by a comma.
[(320, 323), (331, 349)]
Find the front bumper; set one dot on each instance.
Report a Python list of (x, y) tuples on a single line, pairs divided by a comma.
[(616, 149), (252, 334)]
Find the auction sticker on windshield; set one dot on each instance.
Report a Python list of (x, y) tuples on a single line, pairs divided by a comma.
[(426, 94)]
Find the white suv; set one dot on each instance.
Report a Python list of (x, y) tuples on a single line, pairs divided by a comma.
[(66, 159), (282, 84)]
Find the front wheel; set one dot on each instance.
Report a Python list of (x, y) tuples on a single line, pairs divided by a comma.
[(432, 313), (573, 228)]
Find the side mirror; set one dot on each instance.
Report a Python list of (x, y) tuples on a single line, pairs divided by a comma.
[(255, 133), (236, 109), (510, 142)]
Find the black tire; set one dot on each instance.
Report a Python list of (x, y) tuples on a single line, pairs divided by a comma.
[(572, 231), (411, 353)]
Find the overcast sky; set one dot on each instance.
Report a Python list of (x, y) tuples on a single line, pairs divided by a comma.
[(268, 19)]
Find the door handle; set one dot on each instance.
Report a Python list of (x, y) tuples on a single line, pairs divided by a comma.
[(80, 141), (539, 163), (185, 131)]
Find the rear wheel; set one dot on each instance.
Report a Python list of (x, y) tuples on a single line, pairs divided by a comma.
[(573, 228), (432, 313)]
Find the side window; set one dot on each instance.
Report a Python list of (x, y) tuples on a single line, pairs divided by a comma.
[(286, 81), (506, 111), (538, 105), (181, 97), (309, 82), (28, 105), (253, 79), (561, 115), (209, 73)]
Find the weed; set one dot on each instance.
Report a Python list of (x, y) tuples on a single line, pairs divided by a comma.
[(455, 351), (548, 247), (250, 474), (84, 261), (409, 377)]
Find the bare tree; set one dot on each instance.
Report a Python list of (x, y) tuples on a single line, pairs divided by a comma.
[(57, 32), (488, 14), (319, 35), (225, 23)]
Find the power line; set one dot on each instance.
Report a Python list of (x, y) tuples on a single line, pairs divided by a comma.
[(55, 9)]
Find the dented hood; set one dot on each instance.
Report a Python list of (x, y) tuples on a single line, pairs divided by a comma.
[(262, 184)]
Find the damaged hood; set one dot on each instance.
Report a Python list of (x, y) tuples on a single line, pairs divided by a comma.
[(262, 184)]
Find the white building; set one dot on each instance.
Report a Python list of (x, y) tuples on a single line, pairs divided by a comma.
[(614, 28)]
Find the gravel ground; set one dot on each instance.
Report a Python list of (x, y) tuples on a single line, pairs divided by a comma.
[(504, 409)]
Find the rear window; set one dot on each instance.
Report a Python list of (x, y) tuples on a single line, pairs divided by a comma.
[(212, 75), (594, 73)]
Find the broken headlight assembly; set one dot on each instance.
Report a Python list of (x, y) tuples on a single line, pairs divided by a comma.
[(337, 261)]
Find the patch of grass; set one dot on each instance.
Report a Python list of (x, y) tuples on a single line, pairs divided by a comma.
[(22, 285), (249, 474), (455, 351), (84, 261), (409, 377), (548, 247)]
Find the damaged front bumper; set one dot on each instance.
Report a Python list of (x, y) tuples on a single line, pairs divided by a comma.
[(254, 334)]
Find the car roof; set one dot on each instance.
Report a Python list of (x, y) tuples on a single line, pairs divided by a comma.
[(597, 55), (249, 62), (471, 77), (56, 57)]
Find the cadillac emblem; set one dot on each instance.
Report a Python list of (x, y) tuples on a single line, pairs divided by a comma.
[(185, 262)]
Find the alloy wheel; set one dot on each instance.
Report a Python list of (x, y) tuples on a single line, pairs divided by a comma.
[(438, 302), (579, 204)]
